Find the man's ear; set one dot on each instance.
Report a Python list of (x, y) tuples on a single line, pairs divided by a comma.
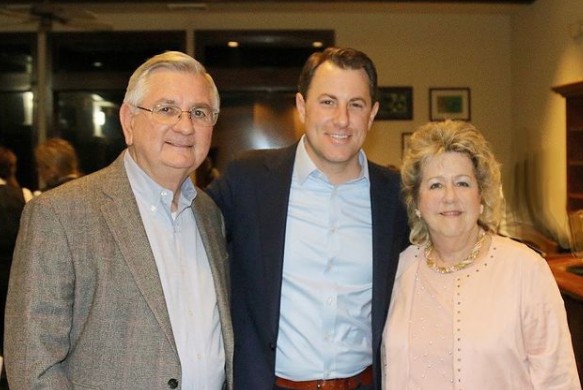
[(373, 114), (126, 118), (301, 107)]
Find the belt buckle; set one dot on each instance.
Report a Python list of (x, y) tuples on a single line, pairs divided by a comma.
[(332, 384)]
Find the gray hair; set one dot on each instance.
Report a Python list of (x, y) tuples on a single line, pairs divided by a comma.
[(170, 60)]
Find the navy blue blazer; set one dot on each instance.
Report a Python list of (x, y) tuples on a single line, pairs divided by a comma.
[(253, 195)]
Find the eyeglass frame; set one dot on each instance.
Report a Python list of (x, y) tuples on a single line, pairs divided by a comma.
[(214, 114)]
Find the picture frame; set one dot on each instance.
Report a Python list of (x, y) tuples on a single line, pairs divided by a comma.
[(404, 139), (449, 103), (395, 103)]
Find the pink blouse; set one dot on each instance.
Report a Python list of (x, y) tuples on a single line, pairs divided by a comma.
[(498, 324)]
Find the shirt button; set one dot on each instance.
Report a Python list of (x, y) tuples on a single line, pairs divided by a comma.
[(172, 383)]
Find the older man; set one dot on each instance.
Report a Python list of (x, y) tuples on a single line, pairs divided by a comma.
[(119, 278)]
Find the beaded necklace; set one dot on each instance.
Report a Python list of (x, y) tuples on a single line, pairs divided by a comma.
[(462, 264)]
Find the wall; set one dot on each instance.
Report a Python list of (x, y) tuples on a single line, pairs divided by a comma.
[(419, 50), (422, 49), (544, 55)]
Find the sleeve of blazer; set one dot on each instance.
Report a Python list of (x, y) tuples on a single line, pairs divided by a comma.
[(40, 302), (220, 192)]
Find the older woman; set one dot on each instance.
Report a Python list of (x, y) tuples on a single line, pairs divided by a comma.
[(470, 309)]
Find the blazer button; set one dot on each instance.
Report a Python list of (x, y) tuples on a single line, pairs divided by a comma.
[(272, 346), (172, 383)]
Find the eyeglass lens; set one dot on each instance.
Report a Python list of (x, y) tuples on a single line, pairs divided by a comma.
[(171, 114)]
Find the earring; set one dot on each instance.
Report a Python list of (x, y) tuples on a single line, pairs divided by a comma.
[(481, 209), (418, 213)]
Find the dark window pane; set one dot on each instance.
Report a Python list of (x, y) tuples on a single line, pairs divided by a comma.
[(259, 48), (256, 56), (253, 120), (16, 133), (110, 51), (90, 121), (16, 53), (16, 61)]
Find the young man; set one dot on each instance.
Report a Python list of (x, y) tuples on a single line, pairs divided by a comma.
[(120, 277), (315, 233)]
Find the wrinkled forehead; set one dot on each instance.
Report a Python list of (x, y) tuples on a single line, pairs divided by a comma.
[(160, 80)]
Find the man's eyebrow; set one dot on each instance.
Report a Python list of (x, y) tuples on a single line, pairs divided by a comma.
[(326, 95), (165, 101)]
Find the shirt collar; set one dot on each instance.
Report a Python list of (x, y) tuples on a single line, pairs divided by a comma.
[(152, 192), (305, 167)]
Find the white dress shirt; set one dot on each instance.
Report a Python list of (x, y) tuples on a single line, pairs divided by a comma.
[(186, 278), (325, 316)]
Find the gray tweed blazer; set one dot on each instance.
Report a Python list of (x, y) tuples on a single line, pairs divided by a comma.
[(85, 306)]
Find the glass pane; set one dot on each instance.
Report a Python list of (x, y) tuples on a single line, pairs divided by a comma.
[(90, 121), (253, 120), (15, 53), (16, 133), (253, 49), (255, 56), (111, 51)]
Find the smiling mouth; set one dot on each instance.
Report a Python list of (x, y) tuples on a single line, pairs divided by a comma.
[(451, 213), (339, 137), (177, 145)]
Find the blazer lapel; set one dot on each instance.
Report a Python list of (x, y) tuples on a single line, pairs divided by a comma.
[(217, 257), (383, 209), (272, 206), (123, 219)]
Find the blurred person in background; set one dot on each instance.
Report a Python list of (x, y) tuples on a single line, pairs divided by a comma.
[(12, 199), (8, 167), (56, 162)]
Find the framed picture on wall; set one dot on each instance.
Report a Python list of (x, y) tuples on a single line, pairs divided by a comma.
[(449, 103), (396, 103)]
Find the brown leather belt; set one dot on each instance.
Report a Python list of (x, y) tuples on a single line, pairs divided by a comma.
[(352, 383)]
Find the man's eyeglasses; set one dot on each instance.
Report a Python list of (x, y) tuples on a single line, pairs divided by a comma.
[(170, 115)]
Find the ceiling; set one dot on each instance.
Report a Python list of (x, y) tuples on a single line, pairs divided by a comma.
[(271, 1), (48, 9)]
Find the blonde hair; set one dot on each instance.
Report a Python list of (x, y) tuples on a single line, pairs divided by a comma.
[(436, 138)]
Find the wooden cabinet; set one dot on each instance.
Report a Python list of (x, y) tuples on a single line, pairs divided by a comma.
[(573, 94)]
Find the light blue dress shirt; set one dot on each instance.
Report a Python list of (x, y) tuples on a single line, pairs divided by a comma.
[(325, 317), (186, 278)]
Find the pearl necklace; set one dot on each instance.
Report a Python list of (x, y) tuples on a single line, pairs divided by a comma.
[(462, 264)]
